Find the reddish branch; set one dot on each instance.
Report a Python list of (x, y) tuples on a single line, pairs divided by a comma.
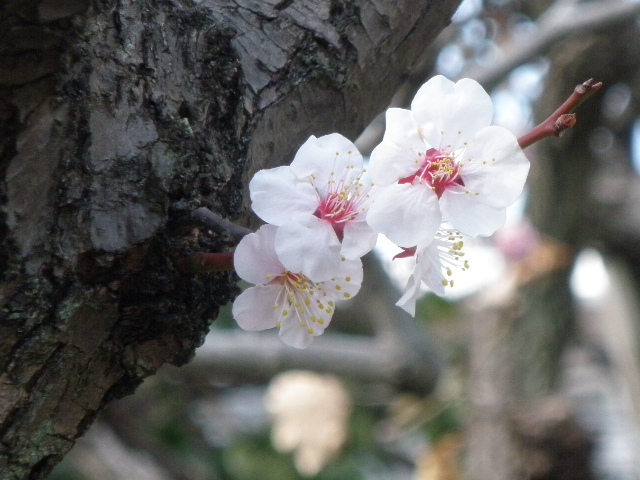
[(562, 118), (202, 262)]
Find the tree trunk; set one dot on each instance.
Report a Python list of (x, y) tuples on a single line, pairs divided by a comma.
[(118, 118)]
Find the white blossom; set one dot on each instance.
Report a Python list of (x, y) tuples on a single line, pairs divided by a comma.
[(290, 301), (320, 203), (441, 159), (434, 264)]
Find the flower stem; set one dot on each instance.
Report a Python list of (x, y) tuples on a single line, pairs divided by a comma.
[(202, 262), (562, 118)]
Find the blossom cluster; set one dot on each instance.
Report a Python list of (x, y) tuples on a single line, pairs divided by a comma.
[(441, 172)]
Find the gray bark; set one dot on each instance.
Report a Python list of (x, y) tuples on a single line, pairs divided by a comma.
[(117, 119)]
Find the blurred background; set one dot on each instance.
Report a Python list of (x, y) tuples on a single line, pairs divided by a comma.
[(529, 369)]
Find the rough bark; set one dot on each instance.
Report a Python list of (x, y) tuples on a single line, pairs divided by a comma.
[(117, 118)]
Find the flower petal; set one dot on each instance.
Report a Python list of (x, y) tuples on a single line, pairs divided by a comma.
[(309, 245), (401, 151), (320, 160), (254, 310), (469, 216), (255, 259), (277, 195), (295, 335), (430, 268), (450, 114), (359, 238), (407, 214), (408, 300), (495, 167), (345, 284)]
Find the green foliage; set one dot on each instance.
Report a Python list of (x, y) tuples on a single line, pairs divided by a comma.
[(444, 422), (66, 471), (252, 458)]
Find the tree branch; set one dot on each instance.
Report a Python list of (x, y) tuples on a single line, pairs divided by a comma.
[(559, 22), (562, 118)]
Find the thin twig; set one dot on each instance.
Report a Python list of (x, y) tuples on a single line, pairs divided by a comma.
[(219, 224), (562, 118)]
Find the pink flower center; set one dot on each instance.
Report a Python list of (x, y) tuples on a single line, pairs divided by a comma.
[(438, 169), (338, 208)]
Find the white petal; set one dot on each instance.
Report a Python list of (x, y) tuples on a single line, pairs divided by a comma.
[(390, 162), (320, 160), (359, 238), (254, 309), (255, 259), (450, 114), (277, 195), (295, 335), (431, 268), (469, 216), (408, 301), (407, 214), (401, 151), (495, 167), (345, 284), (309, 245)]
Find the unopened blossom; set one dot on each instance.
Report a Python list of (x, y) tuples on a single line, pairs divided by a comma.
[(441, 159), (299, 307), (435, 262), (320, 202)]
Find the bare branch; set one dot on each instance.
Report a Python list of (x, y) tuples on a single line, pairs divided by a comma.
[(559, 22), (219, 224), (251, 356), (562, 118)]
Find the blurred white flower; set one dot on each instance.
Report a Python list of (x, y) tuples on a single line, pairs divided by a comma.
[(310, 417)]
